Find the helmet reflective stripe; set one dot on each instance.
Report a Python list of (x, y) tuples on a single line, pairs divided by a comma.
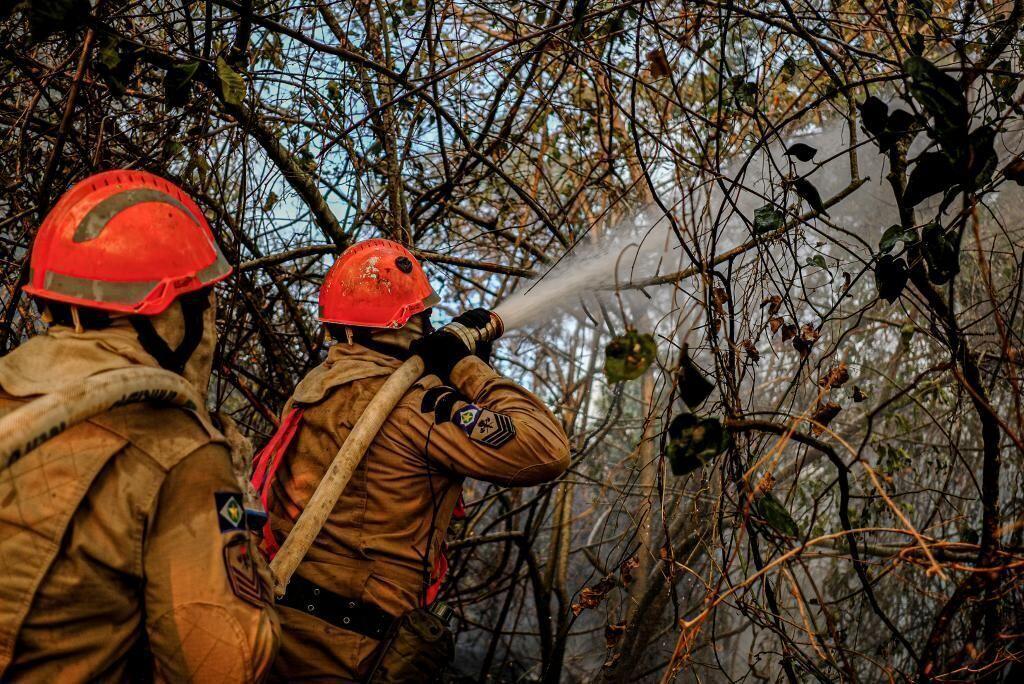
[(100, 215), (98, 290), (214, 271)]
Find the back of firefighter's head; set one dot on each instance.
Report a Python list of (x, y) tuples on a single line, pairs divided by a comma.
[(375, 286), (128, 246)]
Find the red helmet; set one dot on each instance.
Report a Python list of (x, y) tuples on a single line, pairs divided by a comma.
[(375, 284), (124, 241)]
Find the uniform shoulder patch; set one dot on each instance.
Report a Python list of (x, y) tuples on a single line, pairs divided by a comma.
[(485, 426), (230, 511), (243, 576)]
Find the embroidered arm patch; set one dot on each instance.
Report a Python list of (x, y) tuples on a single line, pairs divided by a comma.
[(230, 511), (485, 426)]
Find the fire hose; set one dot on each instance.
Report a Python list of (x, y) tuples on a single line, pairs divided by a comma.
[(338, 474), (42, 419)]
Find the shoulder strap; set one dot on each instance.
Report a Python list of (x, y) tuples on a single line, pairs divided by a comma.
[(265, 467)]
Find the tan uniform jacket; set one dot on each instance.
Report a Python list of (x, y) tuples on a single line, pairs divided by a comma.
[(114, 538), (374, 546)]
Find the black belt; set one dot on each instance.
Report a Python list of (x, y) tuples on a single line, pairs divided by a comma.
[(345, 613)]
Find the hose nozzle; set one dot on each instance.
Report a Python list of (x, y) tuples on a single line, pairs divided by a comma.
[(470, 336)]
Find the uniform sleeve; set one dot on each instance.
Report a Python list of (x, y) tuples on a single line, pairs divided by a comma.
[(489, 428), (208, 598)]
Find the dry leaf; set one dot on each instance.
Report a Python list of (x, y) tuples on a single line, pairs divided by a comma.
[(775, 324), (659, 65), (823, 415), (591, 597), (774, 303), (627, 567), (806, 339), (612, 634), (836, 377), (788, 331), (751, 349)]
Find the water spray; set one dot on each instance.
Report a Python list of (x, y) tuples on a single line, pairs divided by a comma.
[(338, 474)]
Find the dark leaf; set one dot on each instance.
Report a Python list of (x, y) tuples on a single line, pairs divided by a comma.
[(744, 93), (823, 415), (915, 41), (858, 394), (627, 567), (933, 173), (178, 83), (894, 234), (874, 115), (890, 277), (628, 356), (804, 153), (579, 15), (1014, 171), (982, 163), (788, 70), (788, 331), (694, 387), (920, 9), (1005, 82), (659, 66), (942, 97), (767, 219), (898, 126), (115, 65), (694, 441), (939, 253), (774, 513), (809, 194), (46, 17)]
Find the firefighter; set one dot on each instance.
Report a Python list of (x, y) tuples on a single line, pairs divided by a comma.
[(123, 543), (379, 556)]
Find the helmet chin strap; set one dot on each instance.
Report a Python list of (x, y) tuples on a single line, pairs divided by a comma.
[(193, 305)]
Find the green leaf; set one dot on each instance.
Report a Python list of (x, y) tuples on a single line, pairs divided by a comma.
[(115, 64), (939, 253), (776, 515), (890, 277), (628, 356), (693, 442), (694, 387), (817, 260), (767, 219), (178, 83), (744, 93), (920, 9), (46, 17), (801, 151), (108, 54), (232, 85), (893, 234)]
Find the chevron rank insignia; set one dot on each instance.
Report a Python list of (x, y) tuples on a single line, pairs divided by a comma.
[(485, 426), (242, 574)]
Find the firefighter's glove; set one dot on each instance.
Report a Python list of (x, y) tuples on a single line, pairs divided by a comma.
[(440, 352), (478, 319)]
